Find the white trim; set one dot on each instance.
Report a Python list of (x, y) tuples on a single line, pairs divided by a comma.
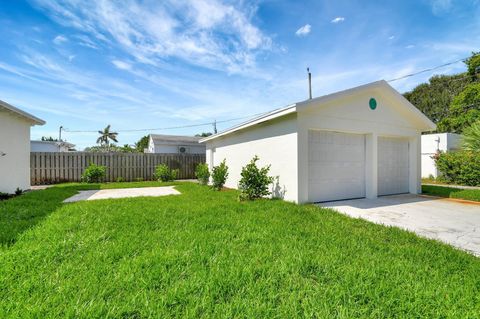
[(17, 111), (428, 125)]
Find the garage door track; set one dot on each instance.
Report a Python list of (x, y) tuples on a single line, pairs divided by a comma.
[(452, 222)]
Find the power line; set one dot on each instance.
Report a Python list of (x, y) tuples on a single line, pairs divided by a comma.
[(428, 70), (170, 127)]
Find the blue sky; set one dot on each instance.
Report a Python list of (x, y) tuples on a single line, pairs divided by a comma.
[(153, 64)]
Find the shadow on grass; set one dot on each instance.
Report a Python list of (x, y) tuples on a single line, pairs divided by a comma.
[(23, 212)]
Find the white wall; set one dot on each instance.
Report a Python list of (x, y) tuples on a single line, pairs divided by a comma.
[(274, 142), (173, 148), (15, 142), (41, 146), (431, 143), (352, 114)]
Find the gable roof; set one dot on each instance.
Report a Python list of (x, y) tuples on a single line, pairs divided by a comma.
[(29, 117), (427, 124), (58, 143), (158, 138)]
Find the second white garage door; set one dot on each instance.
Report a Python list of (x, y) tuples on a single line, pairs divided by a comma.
[(393, 172), (336, 166)]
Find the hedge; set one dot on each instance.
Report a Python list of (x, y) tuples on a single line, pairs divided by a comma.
[(460, 167)]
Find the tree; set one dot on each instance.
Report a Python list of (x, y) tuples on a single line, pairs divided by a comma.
[(434, 98), (106, 136), (464, 111), (49, 139), (473, 65), (471, 137), (203, 134), (142, 144)]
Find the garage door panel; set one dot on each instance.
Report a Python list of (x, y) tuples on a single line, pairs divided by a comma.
[(393, 166), (336, 166)]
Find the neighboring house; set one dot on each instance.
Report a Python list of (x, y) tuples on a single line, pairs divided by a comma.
[(432, 144), (15, 147), (361, 142), (174, 144), (50, 146)]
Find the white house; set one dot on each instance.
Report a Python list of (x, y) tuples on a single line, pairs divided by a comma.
[(174, 144), (432, 144), (50, 146), (361, 142), (15, 147)]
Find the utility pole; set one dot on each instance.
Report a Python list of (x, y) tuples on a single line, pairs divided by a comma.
[(309, 84), (214, 127), (60, 133)]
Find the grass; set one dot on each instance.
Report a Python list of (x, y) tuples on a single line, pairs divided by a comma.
[(204, 254), (451, 192)]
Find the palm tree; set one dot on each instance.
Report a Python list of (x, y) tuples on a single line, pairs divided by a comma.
[(471, 137), (106, 136)]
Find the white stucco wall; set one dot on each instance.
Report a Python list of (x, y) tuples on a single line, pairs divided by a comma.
[(274, 142), (172, 148), (352, 114), (431, 143), (15, 142), (41, 146)]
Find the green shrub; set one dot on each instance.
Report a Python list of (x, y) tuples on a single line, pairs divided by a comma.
[(120, 179), (202, 173), (163, 173), (460, 167), (219, 175), (255, 181), (94, 173), (18, 191)]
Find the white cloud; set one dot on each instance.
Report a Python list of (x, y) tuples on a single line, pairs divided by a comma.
[(59, 39), (303, 31), (391, 37), (207, 33), (440, 6), (71, 57), (122, 65), (410, 46), (338, 20)]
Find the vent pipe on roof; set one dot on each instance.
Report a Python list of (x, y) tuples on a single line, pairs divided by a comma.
[(309, 84)]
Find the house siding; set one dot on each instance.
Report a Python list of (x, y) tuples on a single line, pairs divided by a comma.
[(15, 142), (274, 142)]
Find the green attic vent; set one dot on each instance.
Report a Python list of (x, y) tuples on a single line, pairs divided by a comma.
[(372, 103)]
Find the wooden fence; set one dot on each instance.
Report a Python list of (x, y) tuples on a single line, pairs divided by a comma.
[(50, 168)]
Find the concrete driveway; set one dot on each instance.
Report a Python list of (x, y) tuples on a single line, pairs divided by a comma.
[(452, 222)]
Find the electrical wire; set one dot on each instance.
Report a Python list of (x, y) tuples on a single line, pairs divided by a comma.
[(427, 70)]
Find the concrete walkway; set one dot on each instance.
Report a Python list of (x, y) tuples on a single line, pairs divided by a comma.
[(455, 223), (122, 193), (452, 186)]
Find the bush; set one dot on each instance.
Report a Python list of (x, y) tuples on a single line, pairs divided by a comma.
[(219, 175), (255, 181), (460, 167), (120, 179), (202, 173), (163, 173), (93, 173), (18, 191)]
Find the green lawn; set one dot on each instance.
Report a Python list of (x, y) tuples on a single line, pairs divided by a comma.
[(451, 192), (203, 254)]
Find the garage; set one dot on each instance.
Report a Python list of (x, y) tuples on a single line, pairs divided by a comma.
[(336, 165), (361, 142), (393, 172)]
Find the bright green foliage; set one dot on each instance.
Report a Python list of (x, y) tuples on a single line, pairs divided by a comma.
[(142, 144), (202, 173), (471, 137), (255, 181), (219, 175), (163, 173), (460, 167), (451, 192), (94, 173), (203, 254), (464, 111), (473, 65), (434, 98)]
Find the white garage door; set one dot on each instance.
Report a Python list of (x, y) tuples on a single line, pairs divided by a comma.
[(336, 166), (392, 166)]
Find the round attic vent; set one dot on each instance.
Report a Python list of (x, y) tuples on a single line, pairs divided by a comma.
[(182, 149), (372, 103)]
